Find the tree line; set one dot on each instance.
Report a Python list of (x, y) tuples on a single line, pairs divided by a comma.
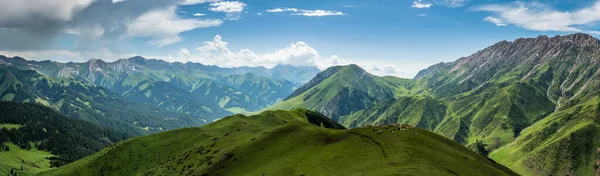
[(42, 128)]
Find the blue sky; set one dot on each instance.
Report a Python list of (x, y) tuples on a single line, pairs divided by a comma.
[(386, 37)]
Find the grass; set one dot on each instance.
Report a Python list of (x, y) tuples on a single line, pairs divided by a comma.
[(33, 161), (9, 126), (285, 143)]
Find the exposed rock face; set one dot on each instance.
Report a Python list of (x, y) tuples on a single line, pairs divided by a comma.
[(567, 66)]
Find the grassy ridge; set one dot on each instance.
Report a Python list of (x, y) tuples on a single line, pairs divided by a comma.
[(254, 145)]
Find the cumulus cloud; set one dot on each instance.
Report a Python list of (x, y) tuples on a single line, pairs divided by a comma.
[(233, 9), (540, 17), (198, 14), (309, 13), (227, 6), (420, 4), (216, 52)]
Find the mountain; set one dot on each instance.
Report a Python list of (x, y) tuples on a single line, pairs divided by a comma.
[(310, 143), (529, 102), (425, 112), (35, 137), (191, 88), (89, 102), (517, 96), (342, 90)]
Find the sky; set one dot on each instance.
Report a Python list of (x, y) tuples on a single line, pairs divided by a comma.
[(385, 37)]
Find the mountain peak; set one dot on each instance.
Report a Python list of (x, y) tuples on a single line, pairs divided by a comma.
[(137, 59)]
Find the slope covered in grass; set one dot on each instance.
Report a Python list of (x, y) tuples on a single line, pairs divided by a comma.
[(31, 161), (424, 112), (342, 90), (296, 142)]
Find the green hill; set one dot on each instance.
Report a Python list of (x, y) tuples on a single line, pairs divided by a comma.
[(310, 143), (342, 90), (89, 103), (34, 138)]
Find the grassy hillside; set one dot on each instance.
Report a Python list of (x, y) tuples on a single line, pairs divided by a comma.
[(342, 90), (32, 161), (309, 143), (424, 112), (34, 137)]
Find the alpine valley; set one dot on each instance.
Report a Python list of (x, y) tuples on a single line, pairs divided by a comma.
[(525, 107)]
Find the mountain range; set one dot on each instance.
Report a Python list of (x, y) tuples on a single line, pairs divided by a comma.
[(533, 102), (209, 92), (532, 105)]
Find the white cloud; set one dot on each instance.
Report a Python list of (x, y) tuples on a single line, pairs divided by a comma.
[(164, 26), (540, 17), (193, 2), (318, 13), (452, 3), (496, 21), (259, 13), (277, 10), (117, 1), (198, 14), (232, 9), (227, 6), (217, 53), (420, 4), (421, 15), (309, 13)]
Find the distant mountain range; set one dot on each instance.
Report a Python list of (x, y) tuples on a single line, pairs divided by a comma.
[(89, 102), (208, 92), (296, 142), (534, 102)]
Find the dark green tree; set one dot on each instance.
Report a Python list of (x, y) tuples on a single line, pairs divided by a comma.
[(480, 146)]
